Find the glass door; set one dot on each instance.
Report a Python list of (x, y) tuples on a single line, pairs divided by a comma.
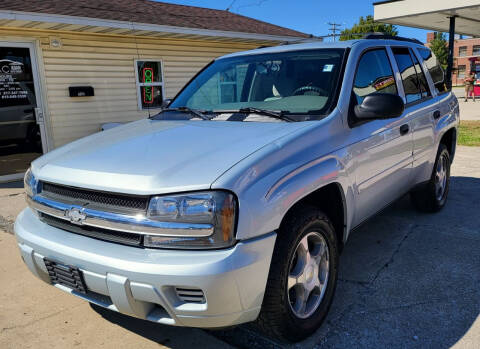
[(20, 134)]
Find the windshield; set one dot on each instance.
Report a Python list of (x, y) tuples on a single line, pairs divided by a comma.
[(296, 82)]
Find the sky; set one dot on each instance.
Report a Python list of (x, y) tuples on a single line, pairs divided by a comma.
[(309, 16)]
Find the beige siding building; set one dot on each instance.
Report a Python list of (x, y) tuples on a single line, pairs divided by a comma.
[(51, 62)]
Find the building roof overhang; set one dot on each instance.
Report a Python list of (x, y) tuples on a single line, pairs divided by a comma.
[(42, 21)]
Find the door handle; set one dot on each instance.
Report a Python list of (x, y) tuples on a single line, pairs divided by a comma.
[(436, 114), (404, 129)]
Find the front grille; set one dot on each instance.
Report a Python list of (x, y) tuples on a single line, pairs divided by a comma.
[(190, 295), (65, 275), (120, 237), (102, 200)]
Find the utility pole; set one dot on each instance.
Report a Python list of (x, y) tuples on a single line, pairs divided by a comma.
[(335, 27)]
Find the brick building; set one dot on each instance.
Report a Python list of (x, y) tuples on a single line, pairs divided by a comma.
[(464, 50)]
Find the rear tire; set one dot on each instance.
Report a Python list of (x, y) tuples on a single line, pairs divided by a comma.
[(293, 276), (432, 196)]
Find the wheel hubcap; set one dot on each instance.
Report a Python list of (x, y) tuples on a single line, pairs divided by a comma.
[(441, 178), (308, 275)]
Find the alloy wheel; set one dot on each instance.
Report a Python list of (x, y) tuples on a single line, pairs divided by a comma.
[(441, 177), (308, 275)]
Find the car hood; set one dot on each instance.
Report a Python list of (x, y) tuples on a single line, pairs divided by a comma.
[(155, 157)]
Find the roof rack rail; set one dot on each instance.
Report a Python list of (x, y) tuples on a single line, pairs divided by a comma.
[(382, 36), (283, 43)]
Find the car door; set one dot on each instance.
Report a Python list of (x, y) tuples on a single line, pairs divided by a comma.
[(427, 114), (382, 153)]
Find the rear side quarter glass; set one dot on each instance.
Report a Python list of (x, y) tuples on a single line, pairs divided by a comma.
[(434, 68)]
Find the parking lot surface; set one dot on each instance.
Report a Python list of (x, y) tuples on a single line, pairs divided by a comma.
[(468, 110), (407, 280)]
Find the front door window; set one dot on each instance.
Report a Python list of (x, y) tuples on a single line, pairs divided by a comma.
[(374, 75)]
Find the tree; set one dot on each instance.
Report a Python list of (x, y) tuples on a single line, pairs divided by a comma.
[(440, 48), (367, 25)]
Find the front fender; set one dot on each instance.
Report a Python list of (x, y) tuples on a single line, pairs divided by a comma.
[(307, 179), (261, 214), (304, 180), (275, 178)]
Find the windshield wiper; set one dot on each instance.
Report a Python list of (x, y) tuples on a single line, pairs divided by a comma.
[(273, 114), (195, 112)]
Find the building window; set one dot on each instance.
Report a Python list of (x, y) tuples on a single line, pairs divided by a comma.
[(149, 79), (462, 51), (476, 50), (227, 87), (461, 71)]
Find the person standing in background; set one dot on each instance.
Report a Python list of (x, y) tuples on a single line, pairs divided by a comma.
[(469, 79)]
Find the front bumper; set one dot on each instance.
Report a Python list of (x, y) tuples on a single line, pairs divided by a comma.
[(141, 282)]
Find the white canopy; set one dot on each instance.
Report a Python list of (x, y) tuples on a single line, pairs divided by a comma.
[(431, 14)]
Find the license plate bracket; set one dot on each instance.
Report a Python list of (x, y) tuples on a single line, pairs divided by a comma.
[(65, 275)]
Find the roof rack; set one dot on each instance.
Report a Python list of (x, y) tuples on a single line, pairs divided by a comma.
[(382, 36), (311, 38)]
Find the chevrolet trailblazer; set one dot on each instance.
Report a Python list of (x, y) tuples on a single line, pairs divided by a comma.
[(233, 203)]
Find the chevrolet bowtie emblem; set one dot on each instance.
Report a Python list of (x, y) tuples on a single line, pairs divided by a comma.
[(76, 215)]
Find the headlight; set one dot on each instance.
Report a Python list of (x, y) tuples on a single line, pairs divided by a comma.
[(29, 183), (207, 218)]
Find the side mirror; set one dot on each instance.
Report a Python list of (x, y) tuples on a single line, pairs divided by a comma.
[(380, 106), (166, 103)]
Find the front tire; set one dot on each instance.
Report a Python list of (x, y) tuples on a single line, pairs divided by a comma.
[(433, 196), (302, 277)]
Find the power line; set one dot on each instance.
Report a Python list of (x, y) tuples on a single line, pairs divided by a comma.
[(252, 4), (230, 6), (335, 27)]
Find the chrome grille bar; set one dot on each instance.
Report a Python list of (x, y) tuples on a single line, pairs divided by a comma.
[(131, 239), (139, 223)]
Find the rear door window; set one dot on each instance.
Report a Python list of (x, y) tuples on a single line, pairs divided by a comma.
[(411, 85), (422, 80), (374, 75)]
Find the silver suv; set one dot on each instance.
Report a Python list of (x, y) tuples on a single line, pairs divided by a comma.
[(233, 203)]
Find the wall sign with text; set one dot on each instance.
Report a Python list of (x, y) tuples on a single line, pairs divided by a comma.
[(16, 80)]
